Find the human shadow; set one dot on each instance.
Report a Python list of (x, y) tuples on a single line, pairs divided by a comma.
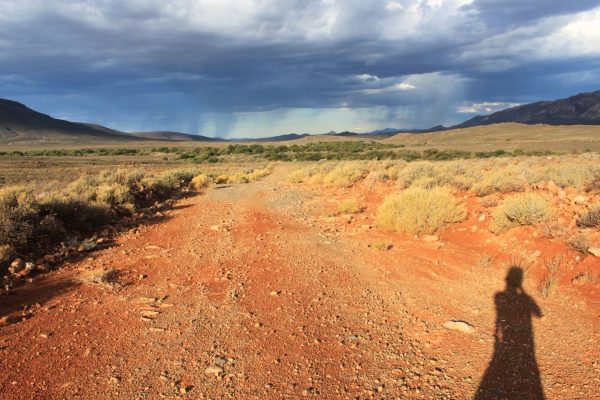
[(513, 372)]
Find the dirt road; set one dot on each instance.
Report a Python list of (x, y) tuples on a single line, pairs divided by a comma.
[(247, 292)]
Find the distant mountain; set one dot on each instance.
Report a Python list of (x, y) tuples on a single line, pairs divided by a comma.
[(279, 138), (581, 109), (345, 133), (19, 123), (385, 131), (174, 136)]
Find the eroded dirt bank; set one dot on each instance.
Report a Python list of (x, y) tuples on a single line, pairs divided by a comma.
[(248, 292)]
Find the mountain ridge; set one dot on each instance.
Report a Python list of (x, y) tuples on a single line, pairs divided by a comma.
[(580, 109), (19, 123)]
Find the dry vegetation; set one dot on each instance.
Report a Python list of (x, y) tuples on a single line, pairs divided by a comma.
[(38, 216), (550, 282), (520, 199), (521, 209), (591, 217), (420, 211), (427, 204)]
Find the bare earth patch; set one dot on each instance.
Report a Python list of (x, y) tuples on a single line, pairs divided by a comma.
[(265, 290)]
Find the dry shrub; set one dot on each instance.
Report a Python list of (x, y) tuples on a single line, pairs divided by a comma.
[(503, 181), (553, 230), (84, 187), (297, 176), (415, 172), (200, 182), (522, 209), (178, 178), (239, 177), (484, 261), (420, 211), (426, 174), (564, 174), (591, 217), (18, 226), (382, 246), (550, 282), (488, 202), (386, 170), (349, 206), (128, 177), (16, 196), (222, 179), (115, 195), (153, 189), (580, 242), (259, 173), (585, 277), (6, 256), (100, 276), (342, 174)]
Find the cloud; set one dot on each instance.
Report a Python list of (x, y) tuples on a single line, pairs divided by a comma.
[(257, 67), (485, 107)]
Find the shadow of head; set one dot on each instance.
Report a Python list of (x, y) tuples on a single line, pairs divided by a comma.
[(514, 278)]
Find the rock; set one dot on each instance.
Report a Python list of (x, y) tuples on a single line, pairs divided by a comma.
[(17, 265), (482, 217), (275, 293), (87, 245), (460, 326), (220, 361), (185, 389), (430, 238), (213, 370), (149, 313), (10, 319), (579, 199), (595, 251), (43, 267)]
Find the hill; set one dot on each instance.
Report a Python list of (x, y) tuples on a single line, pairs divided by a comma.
[(20, 124), (174, 136), (581, 109), (506, 136)]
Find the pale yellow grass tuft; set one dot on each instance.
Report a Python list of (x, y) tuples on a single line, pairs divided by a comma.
[(521, 209), (420, 211)]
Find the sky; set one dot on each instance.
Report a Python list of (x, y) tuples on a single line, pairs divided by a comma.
[(255, 68)]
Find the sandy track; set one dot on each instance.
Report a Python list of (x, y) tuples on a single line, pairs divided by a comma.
[(242, 294)]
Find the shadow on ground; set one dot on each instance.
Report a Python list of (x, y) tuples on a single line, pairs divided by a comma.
[(513, 372)]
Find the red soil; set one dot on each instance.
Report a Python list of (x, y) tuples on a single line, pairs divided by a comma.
[(278, 299)]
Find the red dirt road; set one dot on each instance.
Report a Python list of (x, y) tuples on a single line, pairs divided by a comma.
[(248, 292)]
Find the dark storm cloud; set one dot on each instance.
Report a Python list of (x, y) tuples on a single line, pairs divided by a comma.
[(504, 13), (195, 65)]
